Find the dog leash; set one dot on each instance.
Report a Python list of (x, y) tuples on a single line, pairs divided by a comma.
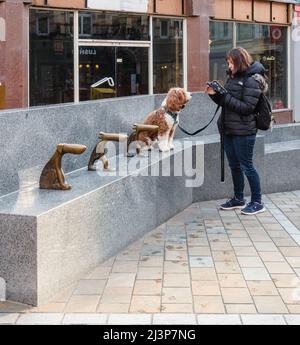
[(203, 128), (222, 140)]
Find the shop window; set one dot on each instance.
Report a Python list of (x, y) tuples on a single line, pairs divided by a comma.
[(266, 43), (114, 26), (167, 54), (269, 46), (51, 57), (106, 72)]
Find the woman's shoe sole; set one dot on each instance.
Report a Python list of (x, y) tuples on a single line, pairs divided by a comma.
[(253, 213), (232, 208)]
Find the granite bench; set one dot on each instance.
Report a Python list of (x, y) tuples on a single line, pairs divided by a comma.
[(49, 239)]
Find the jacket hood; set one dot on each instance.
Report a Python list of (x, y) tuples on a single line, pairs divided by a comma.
[(258, 72), (256, 68)]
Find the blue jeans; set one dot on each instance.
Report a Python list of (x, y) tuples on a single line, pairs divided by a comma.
[(239, 151)]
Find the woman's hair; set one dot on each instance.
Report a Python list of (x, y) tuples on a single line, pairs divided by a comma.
[(241, 60)]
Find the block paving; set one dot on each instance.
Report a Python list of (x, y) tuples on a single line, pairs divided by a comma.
[(203, 266)]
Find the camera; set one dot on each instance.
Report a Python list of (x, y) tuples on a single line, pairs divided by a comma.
[(217, 87)]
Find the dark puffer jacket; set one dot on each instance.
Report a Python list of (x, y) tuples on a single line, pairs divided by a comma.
[(238, 105)]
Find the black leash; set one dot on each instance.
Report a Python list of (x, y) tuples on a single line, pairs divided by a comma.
[(203, 128), (222, 140), (222, 150)]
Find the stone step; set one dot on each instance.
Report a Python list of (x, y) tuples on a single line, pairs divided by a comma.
[(282, 146)]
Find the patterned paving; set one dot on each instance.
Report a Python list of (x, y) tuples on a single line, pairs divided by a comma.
[(202, 266)]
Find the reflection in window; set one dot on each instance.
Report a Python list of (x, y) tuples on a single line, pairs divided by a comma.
[(164, 29), (167, 54), (269, 46), (266, 43), (51, 57), (85, 25), (114, 26), (42, 24), (221, 41)]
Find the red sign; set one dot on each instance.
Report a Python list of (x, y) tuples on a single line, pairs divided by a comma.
[(276, 34)]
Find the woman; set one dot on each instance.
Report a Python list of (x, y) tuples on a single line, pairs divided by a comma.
[(246, 81)]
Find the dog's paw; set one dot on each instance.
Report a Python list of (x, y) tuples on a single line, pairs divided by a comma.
[(171, 147), (164, 149)]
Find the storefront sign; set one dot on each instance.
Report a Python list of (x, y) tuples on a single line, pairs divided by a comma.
[(87, 51), (119, 5)]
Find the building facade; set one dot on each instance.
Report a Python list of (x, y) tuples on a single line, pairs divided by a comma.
[(58, 51)]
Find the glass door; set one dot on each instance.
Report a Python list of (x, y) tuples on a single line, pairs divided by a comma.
[(106, 72), (97, 72), (132, 71)]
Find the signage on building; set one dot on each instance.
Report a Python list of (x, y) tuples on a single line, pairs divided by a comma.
[(119, 5), (276, 34), (87, 51)]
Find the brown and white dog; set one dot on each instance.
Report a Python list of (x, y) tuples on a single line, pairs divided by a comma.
[(167, 119)]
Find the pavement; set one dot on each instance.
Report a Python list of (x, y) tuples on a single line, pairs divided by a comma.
[(204, 266)]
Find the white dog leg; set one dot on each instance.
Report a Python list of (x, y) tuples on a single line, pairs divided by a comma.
[(172, 134), (163, 142)]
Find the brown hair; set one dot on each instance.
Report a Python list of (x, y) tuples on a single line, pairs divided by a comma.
[(241, 60)]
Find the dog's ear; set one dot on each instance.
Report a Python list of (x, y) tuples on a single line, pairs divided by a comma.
[(172, 100), (183, 97)]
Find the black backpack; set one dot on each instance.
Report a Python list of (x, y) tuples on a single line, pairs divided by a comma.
[(263, 112)]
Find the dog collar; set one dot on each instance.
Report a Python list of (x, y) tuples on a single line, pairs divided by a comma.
[(173, 115)]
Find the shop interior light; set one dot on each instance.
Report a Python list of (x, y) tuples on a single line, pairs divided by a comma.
[(88, 66), (97, 66)]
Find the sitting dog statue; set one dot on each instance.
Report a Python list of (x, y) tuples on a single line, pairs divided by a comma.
[(167, 119)]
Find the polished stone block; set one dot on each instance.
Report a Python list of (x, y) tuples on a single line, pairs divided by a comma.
[(49, 239)]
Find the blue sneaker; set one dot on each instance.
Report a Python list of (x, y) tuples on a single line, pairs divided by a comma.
[(253, 208), (233, 204)]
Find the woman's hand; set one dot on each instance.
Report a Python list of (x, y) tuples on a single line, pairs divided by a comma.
[(209, 90)]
